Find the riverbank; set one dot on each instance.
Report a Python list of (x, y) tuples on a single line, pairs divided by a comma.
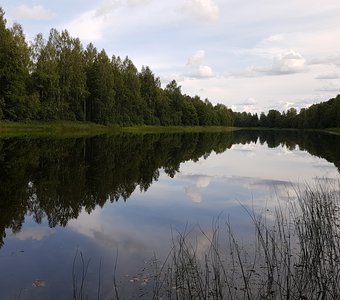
[(75, 128), (68, 128)]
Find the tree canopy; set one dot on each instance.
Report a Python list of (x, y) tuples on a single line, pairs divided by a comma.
[(321, 115), (60, 79)]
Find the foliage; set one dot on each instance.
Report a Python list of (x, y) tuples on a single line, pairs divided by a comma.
[(56, 79), (318, 116)]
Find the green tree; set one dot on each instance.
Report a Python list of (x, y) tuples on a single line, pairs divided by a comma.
[(101, 89), (14, 72), (274, 118), (45, 75), (72, 77), (149, 90)]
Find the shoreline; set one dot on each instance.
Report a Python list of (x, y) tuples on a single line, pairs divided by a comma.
[(76, 128)]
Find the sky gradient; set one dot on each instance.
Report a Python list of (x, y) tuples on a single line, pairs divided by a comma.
[(251, 55)]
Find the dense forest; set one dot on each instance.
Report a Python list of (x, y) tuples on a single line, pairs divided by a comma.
[(321, 115), (58, 79)]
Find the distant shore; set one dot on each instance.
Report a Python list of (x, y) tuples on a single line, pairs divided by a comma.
[(76, 128)]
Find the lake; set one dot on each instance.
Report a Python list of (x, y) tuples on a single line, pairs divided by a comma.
[(107, 208)]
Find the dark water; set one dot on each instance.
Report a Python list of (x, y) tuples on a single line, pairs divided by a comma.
[(64, 200)]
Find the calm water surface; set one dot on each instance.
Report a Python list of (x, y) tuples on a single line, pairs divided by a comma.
[(129, 194)]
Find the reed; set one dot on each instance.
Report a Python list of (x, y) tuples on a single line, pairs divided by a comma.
[(294, 255)]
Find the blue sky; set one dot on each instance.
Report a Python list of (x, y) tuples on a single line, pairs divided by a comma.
[(251, 55)]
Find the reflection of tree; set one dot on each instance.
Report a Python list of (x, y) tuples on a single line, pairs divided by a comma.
[(57, 178), (319, 144)]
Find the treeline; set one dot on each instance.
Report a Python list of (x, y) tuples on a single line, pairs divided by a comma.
[(59, 79), (321, 115)]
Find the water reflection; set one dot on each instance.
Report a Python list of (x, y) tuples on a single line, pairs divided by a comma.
[(56, 179)]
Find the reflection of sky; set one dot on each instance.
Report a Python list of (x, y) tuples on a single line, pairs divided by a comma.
[(35, 233), (251, 175)]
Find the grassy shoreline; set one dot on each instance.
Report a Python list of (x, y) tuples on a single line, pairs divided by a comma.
[(76, 128), (73, 128)]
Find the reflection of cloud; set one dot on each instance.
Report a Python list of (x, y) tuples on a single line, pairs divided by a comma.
[(195, 191), (35, 233), (96, 228), (251, 181), (108, 240)]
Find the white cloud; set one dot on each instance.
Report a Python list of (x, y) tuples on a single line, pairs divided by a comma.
[(330, 87), (326, 60), (88, 26), (290, 62), (199, 70), (137, 2), (276, 38), (249, 105), (206, 10), (197, 58), (36, 12), (331, 75), (249, 101), (202, 72), (107, 7)]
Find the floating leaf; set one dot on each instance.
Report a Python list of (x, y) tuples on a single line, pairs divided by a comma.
[(39, 283)]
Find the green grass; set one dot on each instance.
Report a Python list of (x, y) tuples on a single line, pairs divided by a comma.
[(56, 128), (73, 128)]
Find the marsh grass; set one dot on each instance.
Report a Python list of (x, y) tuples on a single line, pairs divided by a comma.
[(294, 254)]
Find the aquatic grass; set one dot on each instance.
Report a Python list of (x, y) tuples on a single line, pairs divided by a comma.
[(78, 282), (294, 255)]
